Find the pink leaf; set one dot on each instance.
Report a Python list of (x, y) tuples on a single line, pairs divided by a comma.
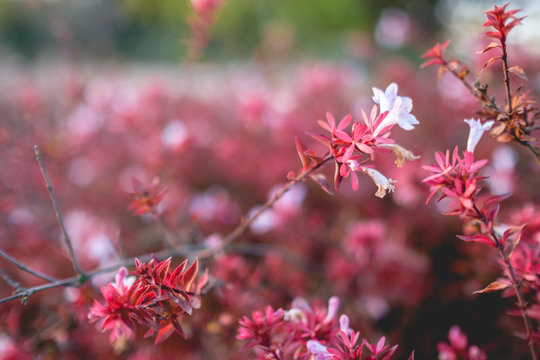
[(481, 239), (320, 180)]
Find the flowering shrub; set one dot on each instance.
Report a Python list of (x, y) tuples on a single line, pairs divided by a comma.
[(186, 192)]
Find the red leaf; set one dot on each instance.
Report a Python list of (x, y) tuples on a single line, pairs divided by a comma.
[(178, 328), (311, 154), (178, 271), (300, 148), (514, 235), (322, 182), (164, 333), (190, 274), (481, 239)]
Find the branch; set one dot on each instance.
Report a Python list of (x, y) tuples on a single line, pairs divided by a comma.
[(506, 75), (26, 268), (14, 284), (180, 251), (50, 189)]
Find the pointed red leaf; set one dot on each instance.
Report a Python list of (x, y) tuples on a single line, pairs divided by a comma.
[(300, 149), (164, 333), (481, 239), (320, 180), (190, 274)]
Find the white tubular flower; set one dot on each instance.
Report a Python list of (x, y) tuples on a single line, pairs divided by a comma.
[(385, 99), (344, 324), (333, 305), (398, 107), (401, 153), (383, 183), (318, 350), (477, 129)]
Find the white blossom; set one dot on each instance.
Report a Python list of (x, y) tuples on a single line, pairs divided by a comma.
[(319, 350), (383, 183), (477, 129), (398, 107), (333, 305)]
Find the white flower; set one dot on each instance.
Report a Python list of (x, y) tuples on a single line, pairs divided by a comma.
[(387, 98), (319, 350), (344, 324), (383, 183), (333, 305), (398, 107), (477, 129)]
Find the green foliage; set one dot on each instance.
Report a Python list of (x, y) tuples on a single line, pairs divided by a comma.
[(143, 29)]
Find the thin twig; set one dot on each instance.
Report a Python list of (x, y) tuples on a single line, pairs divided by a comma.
[(26, 268), (506, 75), (14, 284), (179, 251), (50, 189)]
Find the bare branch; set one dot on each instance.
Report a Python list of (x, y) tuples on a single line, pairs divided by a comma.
[(179, 251), (14, 284), (50, 189), (26, 268)]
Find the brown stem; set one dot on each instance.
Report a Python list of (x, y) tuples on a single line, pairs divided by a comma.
[(515, 283), (50, 189), (26, 268), (178, 251), (506, 75)]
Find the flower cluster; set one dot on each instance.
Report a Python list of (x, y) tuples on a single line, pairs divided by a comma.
[(155, 297), (458, 347), (303, 332), (351, 150)]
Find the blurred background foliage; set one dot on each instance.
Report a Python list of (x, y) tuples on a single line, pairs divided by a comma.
[(143, 30)]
